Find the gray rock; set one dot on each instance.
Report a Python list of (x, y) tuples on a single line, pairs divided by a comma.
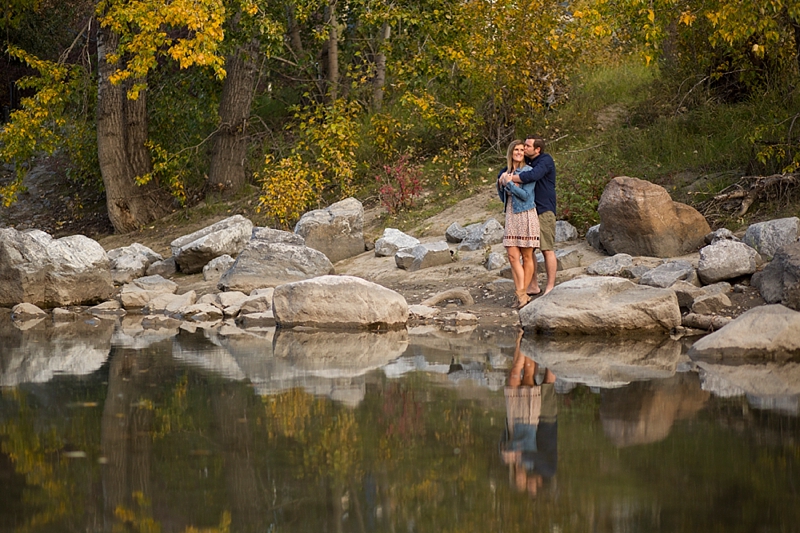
[(192, 252), (593, 238), (768, 332), (337, 231), (726, 259), (722, 234), (142, 290), (565, 231), (779, 282), (767, 237), (639, 218), (666, 274), (687, 292), (215, 268), (479, 236), (201, 312), (455, 233), (634, 272), (602, 305), (131, 262), (338, 302), (392, 241), (262, 319), (611, 266), (276, 235), (423, 256), (495, 261), (110, 309), (711, 304), (257, 303), (264, 264), (165, 268), (566, 258), (26, 311), (47, 272), (171, 305)]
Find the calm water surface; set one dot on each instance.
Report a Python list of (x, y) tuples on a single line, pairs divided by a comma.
[(115, 427)]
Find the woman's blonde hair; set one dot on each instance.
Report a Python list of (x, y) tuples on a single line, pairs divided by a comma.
[(514, 144)]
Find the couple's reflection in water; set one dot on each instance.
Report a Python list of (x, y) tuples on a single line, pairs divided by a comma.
[(530, 442)]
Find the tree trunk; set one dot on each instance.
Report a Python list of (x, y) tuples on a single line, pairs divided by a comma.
[(227, 173), (333, 52), (379, 82), (294, 33), (121, 132)]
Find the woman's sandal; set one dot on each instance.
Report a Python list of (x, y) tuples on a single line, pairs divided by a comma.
[(522, 299)]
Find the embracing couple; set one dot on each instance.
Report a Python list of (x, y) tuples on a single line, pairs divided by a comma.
[(527, 188)]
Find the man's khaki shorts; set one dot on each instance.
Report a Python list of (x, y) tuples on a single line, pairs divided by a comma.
[(547, 231)]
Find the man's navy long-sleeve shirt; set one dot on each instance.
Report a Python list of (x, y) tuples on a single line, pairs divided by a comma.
[(543, 172)]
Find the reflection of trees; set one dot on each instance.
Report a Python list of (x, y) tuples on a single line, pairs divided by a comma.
[(184, 450)]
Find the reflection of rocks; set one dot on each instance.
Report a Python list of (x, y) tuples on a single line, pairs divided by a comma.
[(335, 354), (605, 361), (38, 354), (644, 412), (331, 364), (774, 386), (133, 334), (196, 350)]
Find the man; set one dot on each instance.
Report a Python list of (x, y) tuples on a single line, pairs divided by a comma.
[(543, 172)]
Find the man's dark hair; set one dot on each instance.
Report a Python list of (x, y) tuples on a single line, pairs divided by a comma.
[(538, 142)]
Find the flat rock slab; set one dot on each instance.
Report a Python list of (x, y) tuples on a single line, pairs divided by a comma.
[(338, 302), (602, 306), (769, 332)]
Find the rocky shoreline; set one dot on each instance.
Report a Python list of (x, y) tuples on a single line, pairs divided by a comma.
[(233, 273)]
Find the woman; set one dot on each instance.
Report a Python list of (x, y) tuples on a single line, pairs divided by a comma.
[(521, 235)]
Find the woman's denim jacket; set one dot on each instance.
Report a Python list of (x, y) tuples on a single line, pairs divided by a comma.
[(522, 196)]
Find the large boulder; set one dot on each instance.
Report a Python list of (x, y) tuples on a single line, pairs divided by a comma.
[(639, 218), (768, 237), (338, 302), (726, 259), (192, 252), (769, 332), (337, 231), (779, 282), (47, 272), (601, 306), (265, 264)]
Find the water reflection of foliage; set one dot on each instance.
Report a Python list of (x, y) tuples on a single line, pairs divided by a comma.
[(52, 456)]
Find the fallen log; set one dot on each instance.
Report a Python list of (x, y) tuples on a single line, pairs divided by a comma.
[(707, 322), (458, 293)]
